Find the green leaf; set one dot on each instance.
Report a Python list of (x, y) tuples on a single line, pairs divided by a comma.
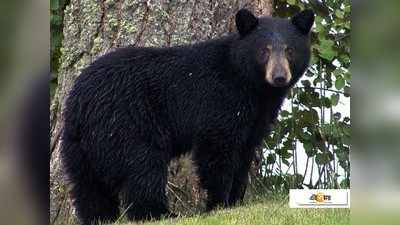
[(347, 76), (326, 50), (347, 8), (345, 183), (335, 99), (309, 149), (303, 98), (291, 2), (318, 19), (306, 83), (347, 131), (339, 14), (304, 135), (314, 59), (285, 113), (326, 102), (310, 116), (271, 159), (340, 83), (323, 158)]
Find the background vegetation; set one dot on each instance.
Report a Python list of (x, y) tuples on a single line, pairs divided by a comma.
[(316, 120), (309, 146)]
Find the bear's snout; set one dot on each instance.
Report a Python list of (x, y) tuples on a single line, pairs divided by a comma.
[(278, 71), (279, 80)]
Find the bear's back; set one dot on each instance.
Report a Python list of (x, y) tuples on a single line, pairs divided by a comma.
[(165, 82)]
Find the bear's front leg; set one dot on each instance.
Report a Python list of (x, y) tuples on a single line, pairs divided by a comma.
[(241, 177), (216, 176)]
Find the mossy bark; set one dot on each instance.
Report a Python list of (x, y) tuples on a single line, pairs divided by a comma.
[(95, 27)]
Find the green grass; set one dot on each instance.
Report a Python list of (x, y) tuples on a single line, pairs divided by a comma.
[(266, 213)]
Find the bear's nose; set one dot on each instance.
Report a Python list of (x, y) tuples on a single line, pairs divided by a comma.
[(279, 80)]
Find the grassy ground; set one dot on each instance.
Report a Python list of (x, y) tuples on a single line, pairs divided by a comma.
[(265, 213)]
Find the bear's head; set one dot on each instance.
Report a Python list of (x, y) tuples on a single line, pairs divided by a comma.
[(275, 50)]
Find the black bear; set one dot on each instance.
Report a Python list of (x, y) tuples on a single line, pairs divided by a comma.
[(133, 110)]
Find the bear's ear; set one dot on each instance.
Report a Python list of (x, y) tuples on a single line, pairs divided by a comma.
[(245, 21), (304, 21)]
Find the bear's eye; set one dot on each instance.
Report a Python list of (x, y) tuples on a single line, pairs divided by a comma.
[(264, 54), (265, 51), (289, 52)]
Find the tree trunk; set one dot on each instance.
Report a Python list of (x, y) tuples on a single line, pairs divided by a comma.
[(95, 27)]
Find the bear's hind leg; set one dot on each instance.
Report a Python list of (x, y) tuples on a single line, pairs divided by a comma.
[(93, 200), (93, 203), (144, 194)]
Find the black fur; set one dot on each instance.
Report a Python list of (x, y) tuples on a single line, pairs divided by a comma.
[(304, 21), (245, 21), (133, 110)]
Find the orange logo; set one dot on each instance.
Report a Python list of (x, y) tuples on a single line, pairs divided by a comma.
[(320, 197)]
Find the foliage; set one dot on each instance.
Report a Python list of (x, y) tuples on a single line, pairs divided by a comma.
[(313, 119)]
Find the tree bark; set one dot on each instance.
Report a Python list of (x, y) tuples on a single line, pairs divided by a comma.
[(95, 27)]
